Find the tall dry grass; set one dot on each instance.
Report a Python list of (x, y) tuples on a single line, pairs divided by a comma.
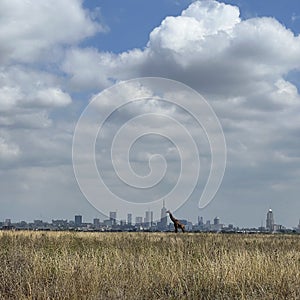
[(36, 265)]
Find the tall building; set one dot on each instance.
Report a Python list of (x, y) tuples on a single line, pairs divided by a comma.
[(270, 220), (129, 219), (163, 216), (7, 222), (217, 226), (138, 220), (151, 218), (113, 217), (78, 220), (96, 222), (148, 218), (200, 221), (216, 221)]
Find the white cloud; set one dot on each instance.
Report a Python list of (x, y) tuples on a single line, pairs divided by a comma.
[(31, 119), (27, 96), (213, 16), (286, 94), (8, 151), (85, 67), (9, 97), (21, 85), (33, 38), (92, 70), (35, 133), (53, 97), (30, 30), (266, 42), (186, 34), (207, 47)]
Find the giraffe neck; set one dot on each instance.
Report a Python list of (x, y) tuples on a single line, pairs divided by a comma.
[(172, 218)]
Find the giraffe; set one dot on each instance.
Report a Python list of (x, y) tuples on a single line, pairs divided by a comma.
[(176, 222)]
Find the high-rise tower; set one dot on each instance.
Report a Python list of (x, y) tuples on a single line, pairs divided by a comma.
[(147, 219), (113, 217), (129, 219), (78, 220), (163, 216), (270, 220)]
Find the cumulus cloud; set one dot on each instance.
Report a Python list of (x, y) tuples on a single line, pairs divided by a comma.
[(27, 97), (35, 133), (89, 69), (53, 97), (30, 30), (199, 21), (207, 47), (34, 33), (33, 37)]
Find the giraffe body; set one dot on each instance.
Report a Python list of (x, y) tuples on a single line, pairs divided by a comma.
[(176, 223)]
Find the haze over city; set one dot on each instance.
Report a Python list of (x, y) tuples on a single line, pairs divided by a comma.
[(241, 56)]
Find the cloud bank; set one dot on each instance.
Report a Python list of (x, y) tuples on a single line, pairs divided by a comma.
[(241, 66)]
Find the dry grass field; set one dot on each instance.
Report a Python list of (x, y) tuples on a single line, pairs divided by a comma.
[(38, 265)]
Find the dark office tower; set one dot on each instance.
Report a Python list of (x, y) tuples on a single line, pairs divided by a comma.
[(78, 221), (151, 218), (113, 217), (96, 222), (129, 219)]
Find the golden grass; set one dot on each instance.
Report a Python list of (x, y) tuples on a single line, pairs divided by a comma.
[(38, 265)]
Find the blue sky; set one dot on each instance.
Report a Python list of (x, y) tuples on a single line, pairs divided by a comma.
[(55, 56)]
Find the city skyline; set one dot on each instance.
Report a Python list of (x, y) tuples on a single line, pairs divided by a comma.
[(147, 222)]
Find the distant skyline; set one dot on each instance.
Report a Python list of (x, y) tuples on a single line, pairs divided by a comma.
[(161, 222), (242, 56)]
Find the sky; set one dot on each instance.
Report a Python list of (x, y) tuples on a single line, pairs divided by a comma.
[(241, 56)]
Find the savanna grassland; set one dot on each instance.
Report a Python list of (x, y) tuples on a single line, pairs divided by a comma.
[(61, 265)]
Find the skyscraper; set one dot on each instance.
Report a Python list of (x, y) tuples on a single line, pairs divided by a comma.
[(151, 218), (96, 222), (163, 216), (138, 220), (200, 221), (129, 219), (113, 217), (78, 220), (216, 221), (270, 220), (147, 218)]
